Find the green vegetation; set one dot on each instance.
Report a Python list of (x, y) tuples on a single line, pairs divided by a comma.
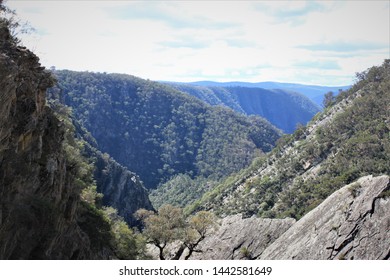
[(180, 191), (309, 165), (104, 227), (246, 253), (170, 226), (11, 21), (158, 132), (329, 99), (283, 108)]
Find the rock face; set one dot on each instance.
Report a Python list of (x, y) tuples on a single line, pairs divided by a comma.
[(121, 188), (239, 238), (352, 223), (40, 209)]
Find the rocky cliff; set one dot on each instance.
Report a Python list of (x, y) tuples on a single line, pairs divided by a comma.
[(121, 188), (353, 223), (41, 214), (239, 238)]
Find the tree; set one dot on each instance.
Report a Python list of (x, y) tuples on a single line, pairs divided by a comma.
[(329, 98), (163, 227), (10, 19), (170, 225), (199, 226)]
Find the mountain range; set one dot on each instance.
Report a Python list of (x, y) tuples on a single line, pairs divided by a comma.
[(283, 108), (314, 92)]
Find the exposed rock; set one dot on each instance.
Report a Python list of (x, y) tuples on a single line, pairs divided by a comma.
[(122, 189), (239, 238), (40, 211), (352, 223)]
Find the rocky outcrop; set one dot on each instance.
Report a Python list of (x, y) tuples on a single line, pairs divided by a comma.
[(239, 238), (121, 188), (41, 215), (352, 223)]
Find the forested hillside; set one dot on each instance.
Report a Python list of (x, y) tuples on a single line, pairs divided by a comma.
[(284, 109), (158, 132), (314, 92), (350, 139)]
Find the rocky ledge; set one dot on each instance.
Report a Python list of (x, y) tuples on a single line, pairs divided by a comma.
[(352, 223), (239, 238)]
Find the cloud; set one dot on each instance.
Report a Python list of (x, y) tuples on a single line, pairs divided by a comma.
[(345, 47), (32, 10), (292, 12), (241, 43), (318, 64), (309, 7), (188, 43), (164, 14), (291, 41)]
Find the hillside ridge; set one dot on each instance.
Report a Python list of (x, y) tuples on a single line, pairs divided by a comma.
[(283, 108), (348, 140)]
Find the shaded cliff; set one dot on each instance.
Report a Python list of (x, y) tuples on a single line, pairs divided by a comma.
[(41, 212), (121, 188)]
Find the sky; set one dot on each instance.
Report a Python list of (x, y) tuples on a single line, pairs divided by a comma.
[(307, 42)]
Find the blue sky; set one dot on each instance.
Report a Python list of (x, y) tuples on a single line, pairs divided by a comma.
[(309, 42)]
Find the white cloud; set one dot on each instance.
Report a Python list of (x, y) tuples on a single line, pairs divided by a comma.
[(198, 40)]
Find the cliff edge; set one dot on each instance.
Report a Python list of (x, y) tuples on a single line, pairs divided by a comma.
[(41, 213)]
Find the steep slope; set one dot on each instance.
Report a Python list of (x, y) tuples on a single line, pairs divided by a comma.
[(353, 223), (348, 140), (314, 92), (284, 109), (158, 132), (121, 188), (239, 238), (41, 213)]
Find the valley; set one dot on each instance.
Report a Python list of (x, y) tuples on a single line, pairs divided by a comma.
[(112, 166)]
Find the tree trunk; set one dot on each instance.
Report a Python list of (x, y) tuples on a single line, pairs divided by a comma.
[(179, 252)]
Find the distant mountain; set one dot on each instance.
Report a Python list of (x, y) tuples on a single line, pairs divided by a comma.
[(284, 109), (158, 132), (314, 92)]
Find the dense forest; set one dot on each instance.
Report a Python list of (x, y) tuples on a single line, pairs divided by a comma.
[(314, 92), (283, 108), (158, 132)]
